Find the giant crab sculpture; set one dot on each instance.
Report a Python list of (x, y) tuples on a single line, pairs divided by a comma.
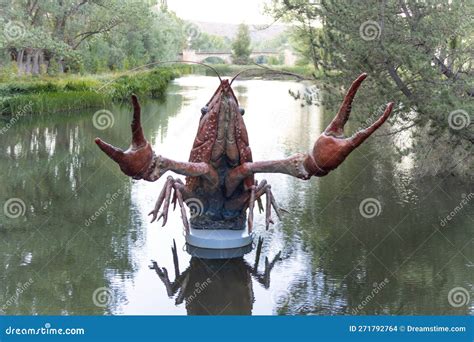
[(220, 173)]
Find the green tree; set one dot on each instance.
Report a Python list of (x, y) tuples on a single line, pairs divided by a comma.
[(417, 53), (86, 35), (241, 45), (207, 42)]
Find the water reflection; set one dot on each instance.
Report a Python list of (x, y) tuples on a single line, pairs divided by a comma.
[(331, 256), (216, 286)]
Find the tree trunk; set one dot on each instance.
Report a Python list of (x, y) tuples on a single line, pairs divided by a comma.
[(398, 81), (28, 61), (60, 65), (36, 69), (42, 64), (19, 61)]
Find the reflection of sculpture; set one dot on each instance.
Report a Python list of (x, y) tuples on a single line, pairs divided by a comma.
[(216, 287), (220, 172)]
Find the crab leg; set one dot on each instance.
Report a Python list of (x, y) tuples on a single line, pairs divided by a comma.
[(163, 275), (174, 251), (164, 199), (182, 291), (179, 196), (259, 199), (267, 189), (261, 185), (258, 252), (268, 209), (166, 204), (159, 201), (251, 206)]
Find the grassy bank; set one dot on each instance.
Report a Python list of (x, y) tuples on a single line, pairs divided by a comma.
[(46, 94), (43, 95)]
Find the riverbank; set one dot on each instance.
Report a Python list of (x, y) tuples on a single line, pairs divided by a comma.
[(44, 94), (47, 94)]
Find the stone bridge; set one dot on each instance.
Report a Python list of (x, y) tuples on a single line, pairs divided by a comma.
[(226, 56)]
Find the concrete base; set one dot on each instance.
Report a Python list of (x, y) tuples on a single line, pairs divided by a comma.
[(218, 243), (208, 253)]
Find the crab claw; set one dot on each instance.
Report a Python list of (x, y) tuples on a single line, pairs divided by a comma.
[(336, 127), (137, 159), (138, 139), (331, 148)]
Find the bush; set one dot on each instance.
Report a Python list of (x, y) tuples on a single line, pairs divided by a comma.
[(48, 95), (47, 103), (148, 83)]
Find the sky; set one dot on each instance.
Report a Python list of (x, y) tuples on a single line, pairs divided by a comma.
[(223, 11)]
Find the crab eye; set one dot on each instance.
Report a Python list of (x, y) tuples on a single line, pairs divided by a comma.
[(242, 111), (204, 110)]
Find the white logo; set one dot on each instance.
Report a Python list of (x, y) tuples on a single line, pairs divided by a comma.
[(458, 297), (102, 297), (103, 119), (195, 207), (370, 30), (281, 298), (14, 30), (459, 119), (191, 31), (370, 207), (14, 208)]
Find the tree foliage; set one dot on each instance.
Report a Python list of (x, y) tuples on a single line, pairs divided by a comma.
[(86, 35), (203, 41), (241, 45), (417, 53)]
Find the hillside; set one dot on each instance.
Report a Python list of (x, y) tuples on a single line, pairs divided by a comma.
[(257, 32)]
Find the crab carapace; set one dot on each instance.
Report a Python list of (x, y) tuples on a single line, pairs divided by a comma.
[(220, 173)]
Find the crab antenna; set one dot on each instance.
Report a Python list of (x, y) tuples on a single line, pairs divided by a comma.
[(185, 62), (199, 63), (167, 62), (265, 68)]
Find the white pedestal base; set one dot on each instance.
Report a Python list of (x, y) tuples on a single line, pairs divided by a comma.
[(218, 243)]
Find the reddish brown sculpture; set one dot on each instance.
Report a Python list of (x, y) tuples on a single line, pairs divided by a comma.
[(220, 171)]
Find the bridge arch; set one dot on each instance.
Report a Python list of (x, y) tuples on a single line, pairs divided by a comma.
[(200, 56)]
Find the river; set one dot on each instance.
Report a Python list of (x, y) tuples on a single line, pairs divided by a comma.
[(369, 238)]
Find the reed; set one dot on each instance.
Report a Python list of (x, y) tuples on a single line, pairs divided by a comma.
[(43, 95)]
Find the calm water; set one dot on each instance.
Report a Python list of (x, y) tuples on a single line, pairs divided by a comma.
[(62, 258)]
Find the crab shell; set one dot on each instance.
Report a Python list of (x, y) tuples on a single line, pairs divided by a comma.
[(221, 139)]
